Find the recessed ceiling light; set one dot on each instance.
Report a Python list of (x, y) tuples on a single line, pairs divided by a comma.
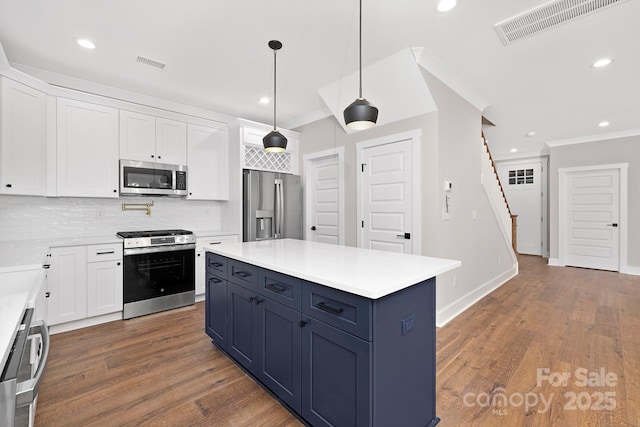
[(514, 150), (531, 133), (602, 62), (604, 124), (445, 5), (264, 100), (87, 44)]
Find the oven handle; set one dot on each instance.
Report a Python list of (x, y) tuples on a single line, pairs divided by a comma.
[(156, 249), (27, 391)]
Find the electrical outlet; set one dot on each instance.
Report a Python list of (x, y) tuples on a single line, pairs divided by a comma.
[(407, 324), (445, 215), (474, 214), (455, 280), (499, 259)]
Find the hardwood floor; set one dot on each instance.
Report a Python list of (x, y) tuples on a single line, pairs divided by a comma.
[(516, 343)]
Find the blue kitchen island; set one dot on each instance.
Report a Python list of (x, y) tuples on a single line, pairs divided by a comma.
[(342, 336)]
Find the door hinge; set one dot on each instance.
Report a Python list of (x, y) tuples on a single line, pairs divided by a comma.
[(362, 167), (362, 225)]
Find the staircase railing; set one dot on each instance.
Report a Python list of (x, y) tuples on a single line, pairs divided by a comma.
[(498, 199)]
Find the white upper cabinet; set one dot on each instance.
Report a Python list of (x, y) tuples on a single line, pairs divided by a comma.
[(253, 156), (22, 140), (152, 139), (87, 149), (171, 141), (207, 163)]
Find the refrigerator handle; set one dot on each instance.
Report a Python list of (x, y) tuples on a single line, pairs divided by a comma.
[(279, 216)]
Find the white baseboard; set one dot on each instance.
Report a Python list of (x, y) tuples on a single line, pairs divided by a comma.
[(556, 262), (454, 309), (83, 323), (200, 297), (634, 271)]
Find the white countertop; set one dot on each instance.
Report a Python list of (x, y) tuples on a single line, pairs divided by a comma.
[(18, 289), (368, 273)]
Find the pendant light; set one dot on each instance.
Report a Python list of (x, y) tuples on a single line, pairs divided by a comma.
[(274, 141), (361, 114)]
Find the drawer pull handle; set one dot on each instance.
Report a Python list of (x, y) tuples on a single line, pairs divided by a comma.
[(216, 264), (242, 274), (259, 300), (215, 243), (275, 288), (105, 253), (215, 280), (329, 309)]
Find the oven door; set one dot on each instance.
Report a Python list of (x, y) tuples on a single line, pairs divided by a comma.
[(158, 272)]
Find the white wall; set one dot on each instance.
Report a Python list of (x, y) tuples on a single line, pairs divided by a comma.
[(451, 149), (612, 151), (486, 257), (23, 217)]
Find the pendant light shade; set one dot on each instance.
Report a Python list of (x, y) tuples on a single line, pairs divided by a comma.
[(360, 114), (274, 141)]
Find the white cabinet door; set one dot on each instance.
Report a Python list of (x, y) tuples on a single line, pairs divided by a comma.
[(171, 141), (201, 257), (22, 140), (87, 149), (207, 163), (104, 287), (67, 285), (137, 136), (104, 279)]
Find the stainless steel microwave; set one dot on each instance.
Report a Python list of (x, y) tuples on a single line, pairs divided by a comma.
[(152, 179)]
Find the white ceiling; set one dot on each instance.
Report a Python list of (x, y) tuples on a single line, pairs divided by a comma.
[(217, 56)]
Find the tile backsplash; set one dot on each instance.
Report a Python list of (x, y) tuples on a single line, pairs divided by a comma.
[(24, 217)]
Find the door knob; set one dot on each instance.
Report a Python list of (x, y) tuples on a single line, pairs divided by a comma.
[(313, 228), (615, 224), (404, 236)]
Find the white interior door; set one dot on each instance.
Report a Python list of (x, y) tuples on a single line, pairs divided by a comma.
[(522, 184), (386, 197), (324, 184), (592, 219)]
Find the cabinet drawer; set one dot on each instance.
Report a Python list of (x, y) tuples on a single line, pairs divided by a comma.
[(217, 264), (242, 274), (346, 311), (214, 240), (109, 252), (279, 287)]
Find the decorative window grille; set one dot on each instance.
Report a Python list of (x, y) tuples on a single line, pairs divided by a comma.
[(256, 158), (520, 176)]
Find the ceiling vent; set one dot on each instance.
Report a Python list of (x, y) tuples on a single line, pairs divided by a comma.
[(151, 62), (547, 16)]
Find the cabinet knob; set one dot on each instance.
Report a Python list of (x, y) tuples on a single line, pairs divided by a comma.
[(152, 156), (8, 185), (47, 294), (115, 191), (159, 157)]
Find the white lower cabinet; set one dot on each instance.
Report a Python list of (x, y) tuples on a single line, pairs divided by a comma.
[(104, 279), (201, 242), (83, 281), (66, 285)]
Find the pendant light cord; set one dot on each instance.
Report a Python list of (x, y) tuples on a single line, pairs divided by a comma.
[(274, 88), (360, 49)]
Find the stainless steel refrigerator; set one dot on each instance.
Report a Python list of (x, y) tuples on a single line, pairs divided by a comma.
[(272, 206)]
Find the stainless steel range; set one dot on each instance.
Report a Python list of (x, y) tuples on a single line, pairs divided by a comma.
[(159, 270)]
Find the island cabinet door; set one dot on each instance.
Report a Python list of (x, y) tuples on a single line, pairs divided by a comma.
[(279, 350), (216, 310), (242, 331), (336, 373)]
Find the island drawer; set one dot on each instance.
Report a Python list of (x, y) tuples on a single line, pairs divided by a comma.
[(217, 264), (243, 274), (279, 287), (349, 312)]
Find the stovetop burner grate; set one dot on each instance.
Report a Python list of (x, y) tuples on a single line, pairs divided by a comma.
[(153, 233)]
